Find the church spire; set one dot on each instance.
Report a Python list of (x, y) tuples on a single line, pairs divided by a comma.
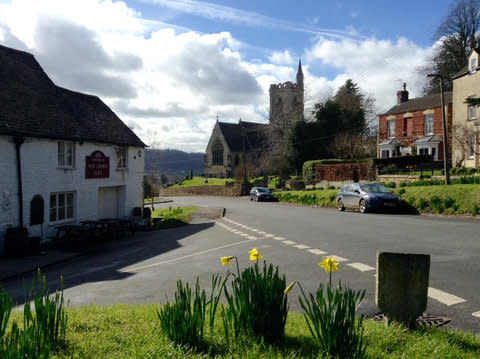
[(300, 74)]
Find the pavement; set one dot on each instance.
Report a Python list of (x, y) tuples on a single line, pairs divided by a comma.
[(13, 267)]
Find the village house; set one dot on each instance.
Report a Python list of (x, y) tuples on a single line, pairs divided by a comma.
[(414, 126), (64, 156), (466, 117)]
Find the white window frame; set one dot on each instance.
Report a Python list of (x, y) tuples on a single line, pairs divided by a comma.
[(62, 206), (429, 151), (428, 127), (66, 154), (390, 128), (473, 64), (122, 158), (472, 112), (471, 146), (385, 153)]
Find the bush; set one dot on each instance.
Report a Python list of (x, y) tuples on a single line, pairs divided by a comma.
[(401, 191), (437, 204), (256, 305), (274, 182), (391, 184)]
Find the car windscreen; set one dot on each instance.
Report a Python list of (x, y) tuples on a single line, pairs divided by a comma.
[(374, 188), (263, 190)]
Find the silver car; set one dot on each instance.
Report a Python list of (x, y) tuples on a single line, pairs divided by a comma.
[(366, 197)]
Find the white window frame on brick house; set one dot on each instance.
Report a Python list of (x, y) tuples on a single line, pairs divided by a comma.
[(385, 153), (391, 128), (66, 154), (431, 149), (472, 112), (429, 124), (122, 158), (62, 206)]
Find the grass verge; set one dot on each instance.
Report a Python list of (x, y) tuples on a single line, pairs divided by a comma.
[(172, 216), (201, 181), (127, 331), (454, 199)]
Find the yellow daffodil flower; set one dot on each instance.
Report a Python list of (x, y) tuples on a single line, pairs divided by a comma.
[(226, 260), (329, 264), (289, 288), (255, 255)]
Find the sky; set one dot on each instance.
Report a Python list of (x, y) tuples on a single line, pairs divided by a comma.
[(170, 68)]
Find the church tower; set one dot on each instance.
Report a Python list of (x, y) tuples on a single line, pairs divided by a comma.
[(287, 103)]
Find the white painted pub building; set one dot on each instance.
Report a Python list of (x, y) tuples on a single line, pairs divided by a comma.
[(64, 156)]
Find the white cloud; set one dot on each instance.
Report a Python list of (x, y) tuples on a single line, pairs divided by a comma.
[(169, 84)]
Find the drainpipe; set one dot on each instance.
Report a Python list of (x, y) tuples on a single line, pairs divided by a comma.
[(18, 142)]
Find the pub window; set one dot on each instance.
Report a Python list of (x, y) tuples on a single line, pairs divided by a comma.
[(122, 158), (217, 153), (66, 154), (61, 206)]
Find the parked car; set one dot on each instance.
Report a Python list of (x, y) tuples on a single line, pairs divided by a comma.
[(366, 197), (261, 194)]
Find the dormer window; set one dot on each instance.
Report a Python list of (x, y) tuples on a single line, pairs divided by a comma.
[(473, 63)]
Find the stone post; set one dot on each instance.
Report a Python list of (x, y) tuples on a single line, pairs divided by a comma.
[(402, 286)]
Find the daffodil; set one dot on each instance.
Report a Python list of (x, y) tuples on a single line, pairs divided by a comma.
[(289, 288), (255, 255), (226, 260), (329, 264)]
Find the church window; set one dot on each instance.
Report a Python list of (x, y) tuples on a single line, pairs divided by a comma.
[(217, 153)]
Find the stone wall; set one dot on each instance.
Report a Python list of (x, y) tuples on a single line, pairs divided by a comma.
[(230, 190)]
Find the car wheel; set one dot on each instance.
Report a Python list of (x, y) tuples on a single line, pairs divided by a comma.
[(251, 199), (341, 207), (362, 206)]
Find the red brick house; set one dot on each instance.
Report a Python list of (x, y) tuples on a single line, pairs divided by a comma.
[(414, 126)]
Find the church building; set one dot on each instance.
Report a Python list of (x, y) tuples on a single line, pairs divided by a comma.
[(233, 145)]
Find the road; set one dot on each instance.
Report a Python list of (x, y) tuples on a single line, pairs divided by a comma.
[(144, 269)]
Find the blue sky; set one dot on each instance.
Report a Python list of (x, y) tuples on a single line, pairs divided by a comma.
[(168, 68)]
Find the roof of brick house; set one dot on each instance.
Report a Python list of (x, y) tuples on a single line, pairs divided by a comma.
[(419, 103), (31, 105)]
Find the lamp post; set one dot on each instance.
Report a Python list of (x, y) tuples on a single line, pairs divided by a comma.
[(445, 138)]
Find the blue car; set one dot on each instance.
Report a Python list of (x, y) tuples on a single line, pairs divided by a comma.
[(366, 197)]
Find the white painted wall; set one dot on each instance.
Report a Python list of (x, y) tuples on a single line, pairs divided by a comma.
[(42, 176)]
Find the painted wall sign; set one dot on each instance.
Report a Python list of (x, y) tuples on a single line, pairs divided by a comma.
[(97, 165)]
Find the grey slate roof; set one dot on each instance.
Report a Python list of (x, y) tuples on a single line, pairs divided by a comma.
[(419, 103), (255, 135), (31, 105), (427, 139)]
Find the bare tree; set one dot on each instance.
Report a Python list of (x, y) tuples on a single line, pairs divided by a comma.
[(465, 142), (458, 34), (352, 146)]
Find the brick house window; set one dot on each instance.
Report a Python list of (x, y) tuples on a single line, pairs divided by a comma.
[(61, 206), (391, 128), (385, 154), (122, 158), (429, 124), (472, 113), (66, 154), (217, 153)]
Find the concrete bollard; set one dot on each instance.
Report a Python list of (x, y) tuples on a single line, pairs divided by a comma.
[(402, 286)]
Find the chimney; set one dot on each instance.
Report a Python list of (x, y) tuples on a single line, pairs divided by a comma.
[(402, 96)]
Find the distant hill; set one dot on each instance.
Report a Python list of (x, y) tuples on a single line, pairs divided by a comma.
[(173, 163)]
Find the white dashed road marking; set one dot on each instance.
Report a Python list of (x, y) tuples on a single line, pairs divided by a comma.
[(279, 238), (289, 243), (476, 314), (268, 235), (301, 246), (443, 297), (316, 251), (340, 259), (361, 267)]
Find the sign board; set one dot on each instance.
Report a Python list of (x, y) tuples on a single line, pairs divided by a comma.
[(97, 165), (406, 150)]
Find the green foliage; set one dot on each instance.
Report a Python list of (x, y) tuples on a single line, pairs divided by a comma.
[(44, 329), (318, 197), (202, 181), (330, 316), (173, 216), (274, 182), (256, 304), (184, 320), (401, 191)]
